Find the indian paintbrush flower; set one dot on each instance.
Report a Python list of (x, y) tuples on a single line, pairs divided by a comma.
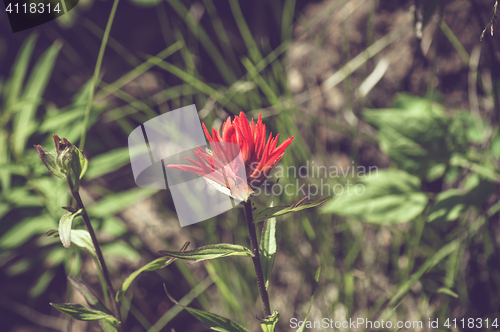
[(241, 144), (69, 163)]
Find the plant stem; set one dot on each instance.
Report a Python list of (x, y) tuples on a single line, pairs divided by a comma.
[(98, 251), (256, 258)]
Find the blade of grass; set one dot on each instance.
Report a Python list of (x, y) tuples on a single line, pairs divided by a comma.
[(175, 310), (18, 72), (287, 20), (24, 119), (222, 36), (250, 43), (139, 70), (195, 82), (355, 63), (205, 40), (96, 73), (429, 264)]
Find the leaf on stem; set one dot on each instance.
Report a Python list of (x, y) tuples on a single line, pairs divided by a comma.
[(276, 211), (79, 237), (213, 321), (157, 264), (210, 252), (92, 299), (65, 227), (268, 248), (78, 311)]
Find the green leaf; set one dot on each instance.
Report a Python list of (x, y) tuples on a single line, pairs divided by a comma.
[(52, 232), (83, 163), (82, 239), (390, 196), (268, 248), (447, 291), (23, 230), (146, 3), (21, 197), (79, 237), (107, 326), (418, 136), (115, 203), (213, 321), (451, 203), (122, 250), (5, 174), (429, 264), (478, 190), (19, 71), (157, 264), (65, 227), (60, 119), (276, 211), (92, 299), (210, 252), (24, 121), (495, 145), (78, 311), (107, 162), (42, 283), (473, 133), (447, 206), (269, 324), (316, 279)]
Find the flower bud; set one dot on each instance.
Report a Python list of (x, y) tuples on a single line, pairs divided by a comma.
[(69, 164)]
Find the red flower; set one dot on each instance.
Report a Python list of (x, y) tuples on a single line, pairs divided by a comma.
[(224, 163)]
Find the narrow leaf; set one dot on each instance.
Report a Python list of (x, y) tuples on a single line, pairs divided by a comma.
[(157, 264), (107, 325), (316, 279), (269, 324), (447, 291), (268, 248), (78, 311), (35, 87), (65, 227), (19, 69), (52, 232), (107, 162), (213, 321), (210, 252), (92, 299), (276, 211), (429, 264)]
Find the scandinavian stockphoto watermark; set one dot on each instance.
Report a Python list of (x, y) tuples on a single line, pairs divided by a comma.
[(327, 175), (415, 325), (358, 323)]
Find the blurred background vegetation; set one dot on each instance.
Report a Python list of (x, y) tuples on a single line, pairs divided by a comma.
[(404, 86)]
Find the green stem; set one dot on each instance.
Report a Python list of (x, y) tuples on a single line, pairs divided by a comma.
[(104, 286), (256, 258), (98, 251), (96, 74)]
